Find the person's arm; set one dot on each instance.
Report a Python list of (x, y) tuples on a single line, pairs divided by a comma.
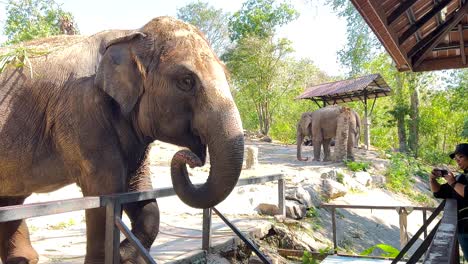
[(435, 186), (459, 188), (439, 190)]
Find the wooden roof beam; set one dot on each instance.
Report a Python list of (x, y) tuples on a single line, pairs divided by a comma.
[(400, 10), (421, 49), (418, 24), (462, 44)]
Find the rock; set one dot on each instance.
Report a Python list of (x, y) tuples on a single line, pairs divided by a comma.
[(266, 139), (379, 180), (295, 210), (380, 165), (363, 177), (306, 195), (332, 189), (329, 175), (251, 160), (216, 259), (267, 209), (280, 218)]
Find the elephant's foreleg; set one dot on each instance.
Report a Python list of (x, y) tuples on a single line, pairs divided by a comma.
[(15, 245), (145, 226), (317, 149), (326, 149), (144, 217), (99, 183), (350, 148)]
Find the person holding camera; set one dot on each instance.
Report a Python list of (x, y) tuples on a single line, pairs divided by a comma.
[(455, 188)]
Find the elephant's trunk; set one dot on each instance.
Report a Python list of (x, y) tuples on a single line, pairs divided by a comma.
[(226, 150), (299, 140)]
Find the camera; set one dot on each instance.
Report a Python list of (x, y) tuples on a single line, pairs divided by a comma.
[(443, 172)]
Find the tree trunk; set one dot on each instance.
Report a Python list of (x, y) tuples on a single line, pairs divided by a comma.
[(413, 139), (399, 113), (401, 133)]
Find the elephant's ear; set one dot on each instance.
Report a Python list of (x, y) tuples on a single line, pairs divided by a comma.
[(120, 73)]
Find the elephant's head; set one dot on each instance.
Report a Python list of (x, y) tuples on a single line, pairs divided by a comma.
[(303, 129), (169, 83)]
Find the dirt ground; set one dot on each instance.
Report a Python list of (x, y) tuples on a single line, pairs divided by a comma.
[(356, 229)]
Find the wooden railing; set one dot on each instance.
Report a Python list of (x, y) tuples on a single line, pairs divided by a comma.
[(114, 223), (439, 247)]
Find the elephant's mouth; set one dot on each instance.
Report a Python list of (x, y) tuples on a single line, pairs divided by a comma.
[(199, 149)]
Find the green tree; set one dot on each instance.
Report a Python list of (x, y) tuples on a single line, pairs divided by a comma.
[(258, 57), (260, 18), (362, 45), (30, 19), (211, 21), (255, 64)]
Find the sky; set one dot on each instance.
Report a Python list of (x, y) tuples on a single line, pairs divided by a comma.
[(317, 34)]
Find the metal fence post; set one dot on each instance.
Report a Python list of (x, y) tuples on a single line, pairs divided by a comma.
[(281, 197), (206, 239), (112, 254)]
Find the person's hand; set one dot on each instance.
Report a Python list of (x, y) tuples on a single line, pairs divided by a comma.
[(450, 178), (435, 173)]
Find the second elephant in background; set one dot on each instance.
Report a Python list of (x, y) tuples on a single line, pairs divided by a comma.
[(323, 127)]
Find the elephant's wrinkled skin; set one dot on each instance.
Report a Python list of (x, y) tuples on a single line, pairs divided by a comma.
[(89, 112), (303, 129), (321, 126)]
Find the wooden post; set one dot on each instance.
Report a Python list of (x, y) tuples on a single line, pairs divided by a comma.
[(335, 246), (403, 215), (112, 253), (281, 197), (251, 160), (206, 239), (424, 221)]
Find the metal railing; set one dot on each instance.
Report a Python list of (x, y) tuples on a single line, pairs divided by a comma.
[(114, 224)]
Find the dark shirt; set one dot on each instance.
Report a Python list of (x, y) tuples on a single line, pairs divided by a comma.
[(446, 191)]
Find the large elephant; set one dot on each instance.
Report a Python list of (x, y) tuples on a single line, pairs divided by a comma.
[(87, 111), (323, 125), (303, 130)]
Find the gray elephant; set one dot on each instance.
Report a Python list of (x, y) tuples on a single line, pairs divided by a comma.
[(323, 124), (303, 130), (87, 112)]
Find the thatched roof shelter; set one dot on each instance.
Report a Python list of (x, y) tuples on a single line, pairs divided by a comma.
[(359, 89), (365, 88)]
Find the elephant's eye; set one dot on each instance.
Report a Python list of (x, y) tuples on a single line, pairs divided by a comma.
[(186, 83)]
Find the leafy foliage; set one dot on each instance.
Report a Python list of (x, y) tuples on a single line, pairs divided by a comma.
[(265, 78), (357, 166), (19, 57), (387, 251), (260, 18), (211, 21), (30, 19), (401, 174), (308, 258), (362, 45)]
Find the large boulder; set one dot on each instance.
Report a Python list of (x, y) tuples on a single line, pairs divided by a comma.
[(305, 194), (363, 177), (332, 189), (295, 210)]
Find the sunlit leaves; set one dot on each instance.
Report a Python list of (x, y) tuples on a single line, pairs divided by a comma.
[(260, 18), (211, 21), (30, 19)]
